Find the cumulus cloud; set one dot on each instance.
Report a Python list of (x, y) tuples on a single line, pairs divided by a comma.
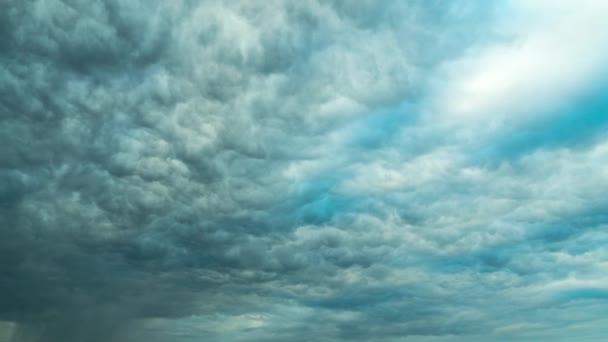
[(285, 170)]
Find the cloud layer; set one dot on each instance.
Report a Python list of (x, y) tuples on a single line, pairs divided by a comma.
[(303, 170)]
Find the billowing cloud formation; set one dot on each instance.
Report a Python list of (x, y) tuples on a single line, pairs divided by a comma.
[(303, 170)]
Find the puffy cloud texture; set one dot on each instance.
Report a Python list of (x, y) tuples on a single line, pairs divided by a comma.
[(303, 170)]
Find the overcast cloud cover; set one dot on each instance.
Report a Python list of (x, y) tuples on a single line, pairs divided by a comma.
[(314, 170)]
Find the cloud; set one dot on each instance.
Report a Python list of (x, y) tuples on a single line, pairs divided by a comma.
[(301, 170)]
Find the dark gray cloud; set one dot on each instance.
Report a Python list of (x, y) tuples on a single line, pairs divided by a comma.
[(287, 171)]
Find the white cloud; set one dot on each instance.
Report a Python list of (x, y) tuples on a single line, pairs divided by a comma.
[(551, 52)]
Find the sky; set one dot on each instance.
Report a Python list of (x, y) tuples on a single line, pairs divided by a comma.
[(311, 170)]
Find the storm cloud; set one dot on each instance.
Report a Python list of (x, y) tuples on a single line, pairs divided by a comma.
[(303, 170)]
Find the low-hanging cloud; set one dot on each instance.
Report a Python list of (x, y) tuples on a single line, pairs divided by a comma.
[(292, 170)]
